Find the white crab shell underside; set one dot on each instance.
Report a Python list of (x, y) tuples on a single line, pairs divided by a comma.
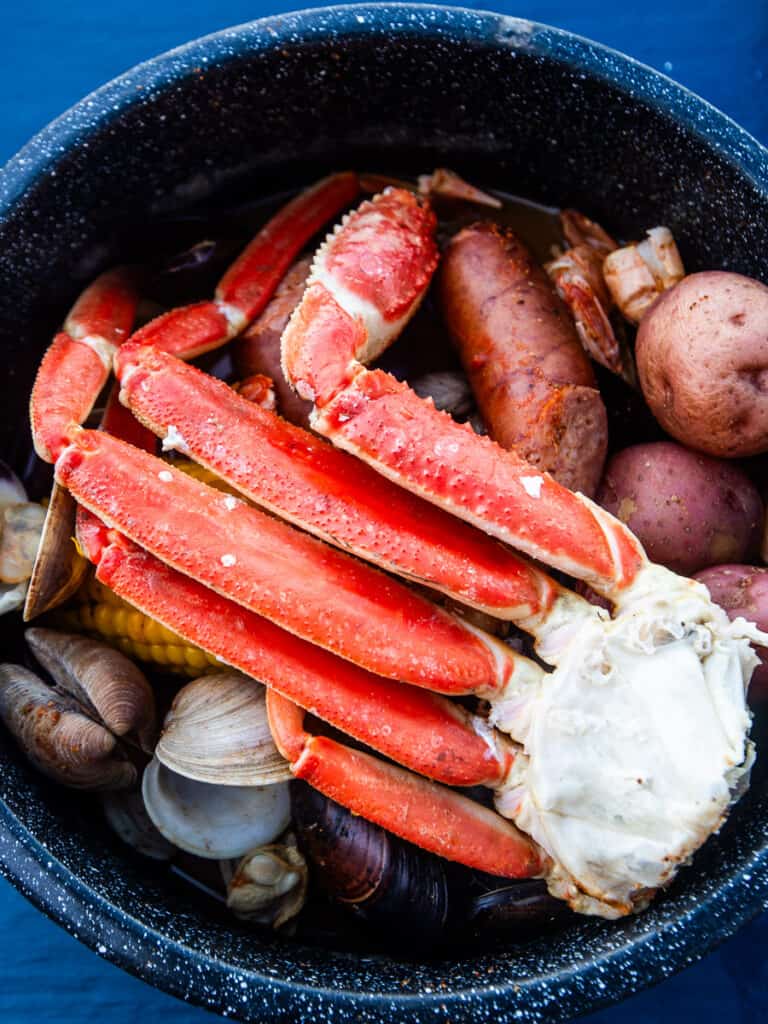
[(635, 746)]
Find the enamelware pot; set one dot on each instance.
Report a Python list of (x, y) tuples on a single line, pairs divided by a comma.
[(510, 104)]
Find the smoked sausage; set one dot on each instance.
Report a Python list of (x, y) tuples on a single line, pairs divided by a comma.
[(257, 351), (533, 382)]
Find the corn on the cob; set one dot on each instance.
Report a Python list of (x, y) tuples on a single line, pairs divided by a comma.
[(100, 612), (97, 610)]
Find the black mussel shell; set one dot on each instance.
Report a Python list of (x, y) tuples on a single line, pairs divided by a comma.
[(395, 887), (517, 909)]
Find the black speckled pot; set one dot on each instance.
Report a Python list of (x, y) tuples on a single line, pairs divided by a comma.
[(529, 109)]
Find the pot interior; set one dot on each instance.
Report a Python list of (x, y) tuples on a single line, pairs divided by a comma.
[(259, 111)]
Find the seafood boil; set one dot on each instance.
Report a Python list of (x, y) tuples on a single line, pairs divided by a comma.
[(368, 562)]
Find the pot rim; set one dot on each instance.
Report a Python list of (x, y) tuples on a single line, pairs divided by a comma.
[(64, 896)]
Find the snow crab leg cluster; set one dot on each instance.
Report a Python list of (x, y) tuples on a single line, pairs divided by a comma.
[(616, 765)]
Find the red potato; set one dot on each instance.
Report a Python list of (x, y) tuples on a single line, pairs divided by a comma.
[(517, 341), (688, 510), (702, 359), (257, 351), (743, 590)]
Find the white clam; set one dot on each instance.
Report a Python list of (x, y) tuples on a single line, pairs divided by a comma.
[(214, 821), (12, 596), (217, 732), (12, 490), (20, 527), (269, 885)]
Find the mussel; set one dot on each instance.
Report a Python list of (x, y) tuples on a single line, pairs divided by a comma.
[(515, 910), (449, 390), (389, 883), (192, 273)]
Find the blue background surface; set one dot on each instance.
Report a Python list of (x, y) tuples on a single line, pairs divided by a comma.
[(53, 53)]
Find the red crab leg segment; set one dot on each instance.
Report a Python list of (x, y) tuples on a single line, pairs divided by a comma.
[(293, 579), (118, 421), (328, 492), (79, 360), (414, 727), (432, 817), (248, 285), (377, 265)]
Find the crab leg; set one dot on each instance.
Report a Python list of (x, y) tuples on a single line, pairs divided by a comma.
[(266, 565), (78, 362), (76, 366), (366, 280), (249, 283), (412, 726), (72, 374), (118, 421), (307, 481), (432, 817)]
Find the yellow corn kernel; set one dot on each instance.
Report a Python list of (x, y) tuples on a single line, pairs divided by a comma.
[(175, 654), (196, 659), (103, 619), (137, 635), (135, 625), (157, 654)]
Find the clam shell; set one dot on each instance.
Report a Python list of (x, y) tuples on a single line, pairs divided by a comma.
[(128, 819), (57, 737), (215, 822), (22, 527), (269, 885), (59, 569), (12, 491), (12, 596), (217, 732), (105, 682)]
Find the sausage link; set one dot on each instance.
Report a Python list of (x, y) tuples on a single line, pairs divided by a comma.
[(533, 382), (257, 351)]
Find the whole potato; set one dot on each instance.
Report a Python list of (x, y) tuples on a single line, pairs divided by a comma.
[(688, 510), (702, 358), (743, 590)]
